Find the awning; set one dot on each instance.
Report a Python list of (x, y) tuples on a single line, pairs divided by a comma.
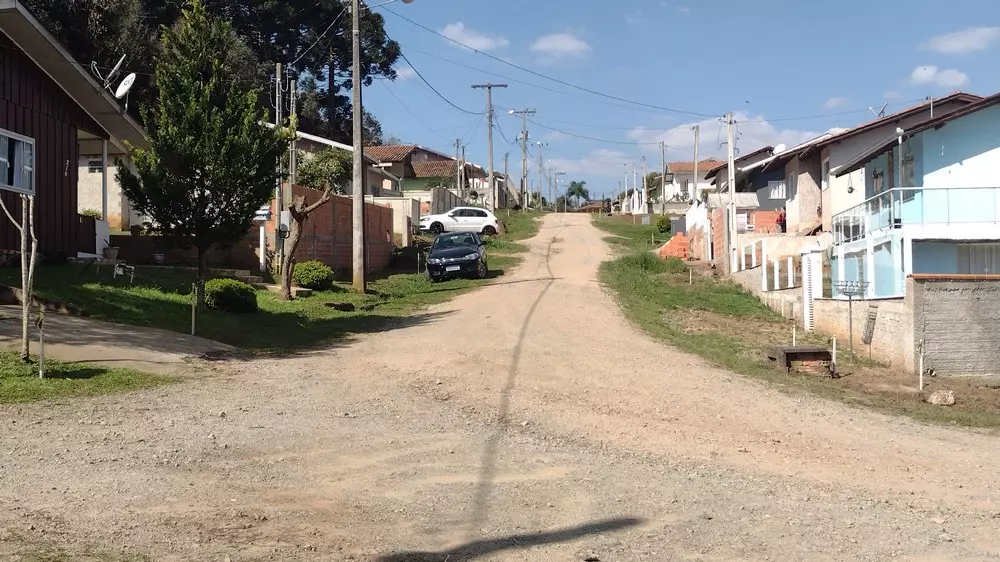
[(38, 45), (859, 160)]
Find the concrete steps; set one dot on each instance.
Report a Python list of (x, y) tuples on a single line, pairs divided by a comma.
[(296, 291)]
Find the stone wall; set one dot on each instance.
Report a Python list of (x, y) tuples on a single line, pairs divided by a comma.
[(956, 316), (892, 341)]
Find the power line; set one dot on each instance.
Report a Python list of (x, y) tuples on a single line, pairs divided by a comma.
[(424, 80), (412, 114), (540, 75), (579, 136), (321, 35)]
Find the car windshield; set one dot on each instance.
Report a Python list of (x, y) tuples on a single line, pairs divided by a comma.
[(446, 241)]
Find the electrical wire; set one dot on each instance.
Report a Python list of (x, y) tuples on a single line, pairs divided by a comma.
[(424, 80), (585, 137), (321, 35), (499, 128), (412, 114), (558, 81)]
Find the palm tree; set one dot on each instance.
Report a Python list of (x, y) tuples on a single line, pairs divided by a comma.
[(578, 189)]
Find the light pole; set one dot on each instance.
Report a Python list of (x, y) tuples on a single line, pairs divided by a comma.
[(557, 174), (358, 261)]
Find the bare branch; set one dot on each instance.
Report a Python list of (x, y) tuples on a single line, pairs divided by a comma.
[(9, 216)]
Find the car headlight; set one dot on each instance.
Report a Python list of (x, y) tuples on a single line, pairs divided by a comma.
[(471, 257), (434, 261)]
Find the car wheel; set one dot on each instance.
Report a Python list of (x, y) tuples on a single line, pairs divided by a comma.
[(482, 270), (489, 231), (437, 228)]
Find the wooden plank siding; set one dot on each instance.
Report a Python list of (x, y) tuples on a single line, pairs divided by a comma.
[(33, 105)]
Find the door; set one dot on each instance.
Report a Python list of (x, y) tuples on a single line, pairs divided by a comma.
[(477, 220), (453, 220)]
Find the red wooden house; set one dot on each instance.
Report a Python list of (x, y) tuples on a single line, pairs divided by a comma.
[(52, 109)]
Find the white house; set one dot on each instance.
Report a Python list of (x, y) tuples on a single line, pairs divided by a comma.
[(685, 186), (930, 203), (842, 191)]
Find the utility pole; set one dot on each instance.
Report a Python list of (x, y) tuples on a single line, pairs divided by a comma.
[(293, 164), (358, 204), (458, 165), (645, 193), (541, 174), (489, 120), (697, 130), (524, 113), (731, 227), (565, 199), (635, 183), (663, 177), (465, 179), (506, 168), (279, 199)]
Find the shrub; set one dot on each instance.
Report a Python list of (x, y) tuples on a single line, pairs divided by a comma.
[(314, 275), (92, 213), (663, 224), (230, 295)]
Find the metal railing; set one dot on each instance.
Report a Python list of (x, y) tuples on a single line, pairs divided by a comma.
[(917, 205)]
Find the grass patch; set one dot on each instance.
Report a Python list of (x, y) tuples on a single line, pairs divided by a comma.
[(628, 235), (721, 322), (19, 381), (160, 297)]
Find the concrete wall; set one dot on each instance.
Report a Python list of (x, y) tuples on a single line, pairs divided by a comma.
[(443, 200), (405, 214), (892, 341), (805, 200), (786, 302), (956, 318)]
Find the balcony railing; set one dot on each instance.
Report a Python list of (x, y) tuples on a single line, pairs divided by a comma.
[(917, 205)]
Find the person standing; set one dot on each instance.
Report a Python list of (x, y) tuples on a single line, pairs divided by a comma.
[(782, 220)]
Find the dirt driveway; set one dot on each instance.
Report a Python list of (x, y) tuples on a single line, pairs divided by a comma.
[(525, 421)]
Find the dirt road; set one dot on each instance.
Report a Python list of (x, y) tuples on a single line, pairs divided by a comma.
[(525, 421)]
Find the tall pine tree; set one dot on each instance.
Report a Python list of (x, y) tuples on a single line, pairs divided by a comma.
[(211, 163)]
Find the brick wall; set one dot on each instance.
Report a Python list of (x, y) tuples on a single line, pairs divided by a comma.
[(718, 220), (956, 317), (696, 243), (764, 221)]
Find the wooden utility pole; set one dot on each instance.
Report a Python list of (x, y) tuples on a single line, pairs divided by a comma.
[(279, 199), (541, 175), (491, 181), (358, 261), (293, 161)]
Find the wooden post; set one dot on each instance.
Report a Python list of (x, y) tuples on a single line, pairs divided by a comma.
[(194, 304)]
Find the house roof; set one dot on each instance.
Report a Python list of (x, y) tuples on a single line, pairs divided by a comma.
[(788, 154), (688, 167), (886, 144), (744, 200), (435, 169), (17, 23), (961, 97), (390, 152), (741, 160)]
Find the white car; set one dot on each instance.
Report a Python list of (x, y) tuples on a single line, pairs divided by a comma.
[(462, 219)]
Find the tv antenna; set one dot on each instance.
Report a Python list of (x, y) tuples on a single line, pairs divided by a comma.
[(123, 88), (881, 112)]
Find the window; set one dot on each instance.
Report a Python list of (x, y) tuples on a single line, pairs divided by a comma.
[(17, 162), (777, 189), (826, 174), (478, 213), (684, 186), (976, 259), (94, 167)]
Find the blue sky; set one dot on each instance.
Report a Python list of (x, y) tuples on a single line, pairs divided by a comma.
[(788, 69)]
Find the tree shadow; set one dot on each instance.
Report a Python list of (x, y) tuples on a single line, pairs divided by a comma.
[(485, 547)]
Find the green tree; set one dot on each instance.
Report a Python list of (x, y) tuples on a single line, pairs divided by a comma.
[(330, 167), (577, 190), (210, 164)]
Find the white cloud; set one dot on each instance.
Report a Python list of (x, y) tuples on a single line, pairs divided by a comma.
[(405, 73), (601, 162), (891, 95), (834, 102), (964, 41), (474, 39), (754, 132), (560, 45), (946, 78)]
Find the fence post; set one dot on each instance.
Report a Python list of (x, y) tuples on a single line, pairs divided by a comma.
[(763, 269), (791, 272), (777, 274), (743, 258), (753, 254)]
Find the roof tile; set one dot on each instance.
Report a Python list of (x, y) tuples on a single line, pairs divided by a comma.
[(704, 166), (390, 152)]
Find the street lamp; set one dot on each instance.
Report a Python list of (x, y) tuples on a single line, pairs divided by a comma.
[(358, 261)]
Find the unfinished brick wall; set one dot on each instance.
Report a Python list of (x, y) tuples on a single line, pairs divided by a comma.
[(764, 221), (956, 317), (327, 236), (718, 220)]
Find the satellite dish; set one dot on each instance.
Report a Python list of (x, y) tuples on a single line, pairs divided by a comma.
[(779, 149), (125, 86), (114, 71)]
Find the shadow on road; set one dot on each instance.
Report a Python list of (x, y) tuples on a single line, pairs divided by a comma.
[(480, 548)]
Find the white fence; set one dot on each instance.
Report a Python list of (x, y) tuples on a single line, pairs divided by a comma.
[(777, 274)]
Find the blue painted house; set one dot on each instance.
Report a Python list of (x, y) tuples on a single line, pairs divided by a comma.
[(932, 204)]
